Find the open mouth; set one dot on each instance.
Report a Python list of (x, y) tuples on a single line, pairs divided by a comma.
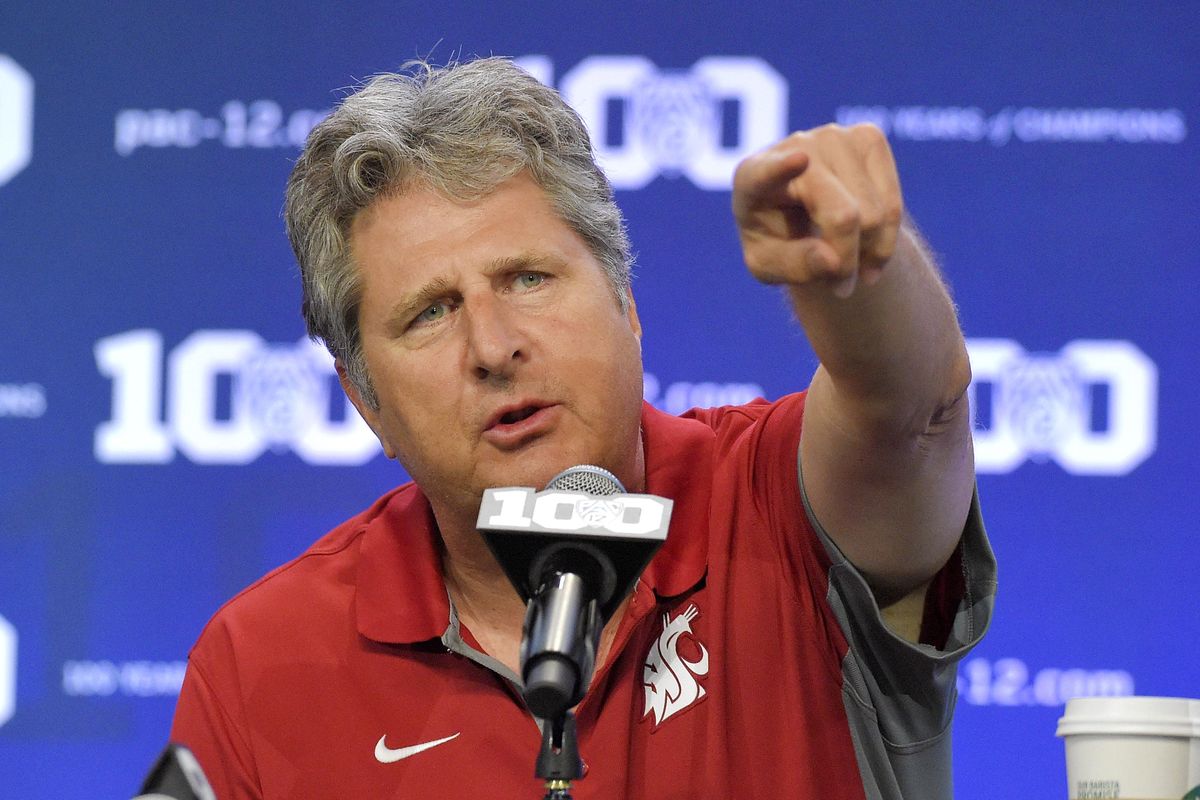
[(518, 414), (521, 423)]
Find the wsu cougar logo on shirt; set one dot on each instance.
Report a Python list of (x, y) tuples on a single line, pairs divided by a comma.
[(670, 679)]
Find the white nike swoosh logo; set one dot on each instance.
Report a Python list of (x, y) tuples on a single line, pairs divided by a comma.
[(386, 755)]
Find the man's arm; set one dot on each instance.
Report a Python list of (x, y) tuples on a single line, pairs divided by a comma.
[(885, 450)]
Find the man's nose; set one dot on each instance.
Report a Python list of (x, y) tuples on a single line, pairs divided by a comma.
[(495, 342)]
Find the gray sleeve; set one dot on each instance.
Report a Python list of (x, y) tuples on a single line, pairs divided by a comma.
[(899, 696)]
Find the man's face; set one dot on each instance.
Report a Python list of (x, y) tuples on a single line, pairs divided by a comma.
[(498, 352)]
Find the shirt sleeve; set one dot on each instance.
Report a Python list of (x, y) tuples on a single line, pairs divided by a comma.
[(899, 695), (205, 724), (894, 672)]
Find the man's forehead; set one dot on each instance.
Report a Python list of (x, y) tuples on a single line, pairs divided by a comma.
[(435, 208), (423, 228), (424, 188)]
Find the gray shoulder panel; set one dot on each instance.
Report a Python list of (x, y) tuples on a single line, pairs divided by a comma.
[(899, 696)]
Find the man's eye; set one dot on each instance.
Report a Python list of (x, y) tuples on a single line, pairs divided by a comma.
[(528, 280), (433, 313)]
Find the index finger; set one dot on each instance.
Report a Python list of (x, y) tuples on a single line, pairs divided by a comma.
[(763, 178), (834, 211)]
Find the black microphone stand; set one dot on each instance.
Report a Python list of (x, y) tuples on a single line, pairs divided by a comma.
[(572, 570), (559, 763), (562, 632)]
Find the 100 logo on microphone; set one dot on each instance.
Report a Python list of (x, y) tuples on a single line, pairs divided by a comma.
[(555, 511)]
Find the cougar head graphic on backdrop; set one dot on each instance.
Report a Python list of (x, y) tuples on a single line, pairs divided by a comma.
[(669, 679)]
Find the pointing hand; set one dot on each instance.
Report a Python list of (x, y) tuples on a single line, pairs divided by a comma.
[(820, 206)]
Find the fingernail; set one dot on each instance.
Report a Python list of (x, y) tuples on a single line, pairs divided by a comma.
[(845, 287)]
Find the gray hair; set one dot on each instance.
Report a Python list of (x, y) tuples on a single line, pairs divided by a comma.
[(460, 130)]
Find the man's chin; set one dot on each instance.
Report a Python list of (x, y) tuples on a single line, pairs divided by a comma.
[(536, 470)]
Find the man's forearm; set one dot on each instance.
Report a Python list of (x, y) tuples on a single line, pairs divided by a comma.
[(892, 351), (885, 447)]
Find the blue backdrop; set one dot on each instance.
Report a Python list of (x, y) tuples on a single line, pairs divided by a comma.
[(167, 435)]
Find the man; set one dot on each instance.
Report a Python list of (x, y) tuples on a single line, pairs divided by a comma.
[(464, 261)]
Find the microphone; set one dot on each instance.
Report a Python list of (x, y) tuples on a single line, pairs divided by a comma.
[(573, 552), (176, 775)]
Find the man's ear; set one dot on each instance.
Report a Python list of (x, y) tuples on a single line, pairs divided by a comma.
[(632, 315), (369, 415)]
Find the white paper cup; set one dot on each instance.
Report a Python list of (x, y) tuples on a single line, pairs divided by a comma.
[(1143, 748)]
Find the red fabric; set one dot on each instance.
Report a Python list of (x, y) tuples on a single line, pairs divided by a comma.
[(942, 598), (295, 680)]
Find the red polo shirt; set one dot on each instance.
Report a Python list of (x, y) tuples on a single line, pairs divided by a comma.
[(734, 672)]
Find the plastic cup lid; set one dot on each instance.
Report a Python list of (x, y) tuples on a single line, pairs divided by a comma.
[(1131, 716)]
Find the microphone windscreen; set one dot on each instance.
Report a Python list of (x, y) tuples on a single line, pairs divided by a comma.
[(588, 479)]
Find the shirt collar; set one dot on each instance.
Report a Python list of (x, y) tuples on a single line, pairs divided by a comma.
[(401, 596), (678, 454)]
